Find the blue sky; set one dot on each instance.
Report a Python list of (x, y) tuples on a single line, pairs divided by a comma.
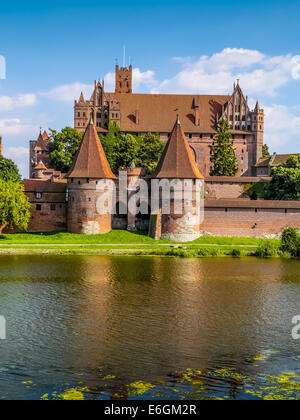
[(56, 48)]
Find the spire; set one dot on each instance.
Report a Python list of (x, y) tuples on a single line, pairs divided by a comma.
[(41, 142), (81, 99), (257, 107), (90, 161), (177, 160)]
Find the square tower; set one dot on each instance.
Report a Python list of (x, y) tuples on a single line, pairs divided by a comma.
[(123, 79)]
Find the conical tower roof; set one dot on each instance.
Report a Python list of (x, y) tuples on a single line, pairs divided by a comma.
[(40, 166), (177, 160), (91, 161)]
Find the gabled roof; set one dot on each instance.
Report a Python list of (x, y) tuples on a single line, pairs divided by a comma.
[(177, 160), (157, 111), (90, 161), (263, 162), (280, 159), (45, 136), (42, 142)]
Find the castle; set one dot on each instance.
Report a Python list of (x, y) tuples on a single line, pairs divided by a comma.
[(199, 114), (68, 201)]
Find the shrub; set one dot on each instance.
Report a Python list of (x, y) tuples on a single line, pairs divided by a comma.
[(236, 253), (290, 242), (267, 249)]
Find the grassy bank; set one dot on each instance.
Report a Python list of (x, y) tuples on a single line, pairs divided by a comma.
[(115, 237), (167, 251), (135, 243)]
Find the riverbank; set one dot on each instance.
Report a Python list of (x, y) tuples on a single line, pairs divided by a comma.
[(127, 243), (167, 251)]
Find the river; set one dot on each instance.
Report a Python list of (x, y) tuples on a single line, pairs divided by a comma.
[(148, 328)]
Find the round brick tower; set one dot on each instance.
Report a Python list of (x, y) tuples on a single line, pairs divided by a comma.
[(179, 185), (90, 187)]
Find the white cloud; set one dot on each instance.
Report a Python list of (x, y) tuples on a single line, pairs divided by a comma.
[(15, 126), (68, 93), (260, 74), (282, 128), (17, 152), (8, 103)]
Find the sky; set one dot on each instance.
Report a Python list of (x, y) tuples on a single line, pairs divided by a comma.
[(54, 49)]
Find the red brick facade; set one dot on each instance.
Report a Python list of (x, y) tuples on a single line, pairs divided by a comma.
[(199, 114), (243, 218)]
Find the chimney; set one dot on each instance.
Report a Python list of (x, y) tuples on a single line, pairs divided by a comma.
[(137, 117)]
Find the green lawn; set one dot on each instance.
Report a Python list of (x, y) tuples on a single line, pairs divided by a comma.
[(114, 237)]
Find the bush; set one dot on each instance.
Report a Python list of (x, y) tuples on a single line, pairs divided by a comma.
[(290, 242), (236, 253), (267, 249)]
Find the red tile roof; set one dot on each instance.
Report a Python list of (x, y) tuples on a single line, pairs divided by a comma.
[(90, 161), (41, 143), (156, 111), (263, 162), (45, 136), (41, 185), (40, 166), (177, 160), (280, 159)]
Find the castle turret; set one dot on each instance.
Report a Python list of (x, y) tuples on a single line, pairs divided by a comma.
[(38, 171), (90, 180), (178, 170), (258, 120), (123, 79)]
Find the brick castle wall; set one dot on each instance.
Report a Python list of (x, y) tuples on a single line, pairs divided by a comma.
[(257, 219)]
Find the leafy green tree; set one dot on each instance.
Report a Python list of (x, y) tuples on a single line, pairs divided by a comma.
[(265, 151), (63, 147), (109, 140), (150, 151), (9, 170), (290, 242), (126, 150), (14, 206), (122, 149), (223, 155), (285, 184)]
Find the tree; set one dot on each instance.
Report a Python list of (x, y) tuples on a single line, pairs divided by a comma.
[(265, 151), (108, 141), (150, 151), (122, 149), (63, 147), (9, 170), (290, 241), (14, 206), (125, 151), (223, 155), (285, 184)]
